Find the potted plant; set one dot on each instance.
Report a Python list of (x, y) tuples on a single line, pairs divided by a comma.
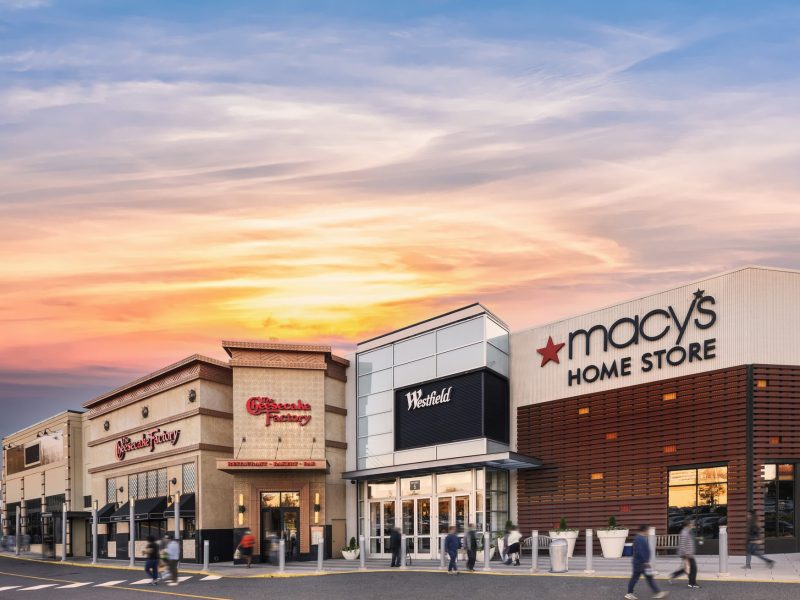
[(565, 533), (351, 551), (612, 538)]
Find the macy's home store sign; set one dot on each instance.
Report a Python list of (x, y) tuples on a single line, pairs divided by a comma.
[(664, 325)]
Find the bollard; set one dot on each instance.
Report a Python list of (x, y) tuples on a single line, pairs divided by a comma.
[(206, 554), (17, 535), (94, 533), (534, 551), (362, 552), (441, 553), (723, 551), (403, 551), (320, 554), (486, 551), (64, 532), (651, 541), (132, 535), (282, 556), (589, 551)]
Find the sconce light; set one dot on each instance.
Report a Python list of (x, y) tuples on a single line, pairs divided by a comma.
[(145, 412), (316, 508), (174, 480), (106, 425), (192, 395), (121, 489), (241, 509)]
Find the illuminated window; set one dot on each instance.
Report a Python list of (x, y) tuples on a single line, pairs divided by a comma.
[(596, 476), (670, 396), (698, 492), (584, 410), (611, 435), (774, 440), (761, 383), (670, 449)]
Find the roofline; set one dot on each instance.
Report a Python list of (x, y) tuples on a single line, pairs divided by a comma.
[(43, 421), (173, 367), (285, 346), (656, 292), (433, 318)]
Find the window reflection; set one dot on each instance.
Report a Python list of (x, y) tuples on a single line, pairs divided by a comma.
[(779, 500), (699, 493)]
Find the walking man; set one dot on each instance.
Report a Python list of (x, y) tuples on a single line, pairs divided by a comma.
[(451, 545), (686, 550), (641, 565), (754, 541), (173, 556), (152, 555), (395, 541), (471, 546)]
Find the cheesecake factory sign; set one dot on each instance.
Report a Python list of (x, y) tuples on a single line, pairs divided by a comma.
[(279, 412), (149, 439), (665, 325)]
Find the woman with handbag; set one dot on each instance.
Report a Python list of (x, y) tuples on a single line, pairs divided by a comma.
[(686, 550)]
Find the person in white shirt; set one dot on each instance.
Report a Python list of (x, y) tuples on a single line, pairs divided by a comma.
[(514, 537), (173, 556)]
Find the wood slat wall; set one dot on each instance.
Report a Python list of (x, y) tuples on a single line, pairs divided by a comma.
[(706, 423)]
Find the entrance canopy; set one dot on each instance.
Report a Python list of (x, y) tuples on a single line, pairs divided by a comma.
[(104, 514), (497, 460), (187, 507)]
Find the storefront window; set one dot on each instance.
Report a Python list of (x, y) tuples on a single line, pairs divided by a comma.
[(416, 486), (158, 529), (33, 512), (290, 499), (381, 489), (270, 499), (189, 529), (454, 482), (700, 493), (496, 500), (779, 501)]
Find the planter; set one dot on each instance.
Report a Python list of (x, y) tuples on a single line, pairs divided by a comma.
[(570, 535), (350, 554), (479, 555), (612, 541)]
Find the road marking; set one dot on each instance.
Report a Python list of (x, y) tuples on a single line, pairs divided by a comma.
[(74, 585), (38, 587), (182, 579), (34, 577), (142, 581), (211, 578), (111, 583), (8, 587)]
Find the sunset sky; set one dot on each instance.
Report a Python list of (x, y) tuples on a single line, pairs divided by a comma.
[(175, 173)]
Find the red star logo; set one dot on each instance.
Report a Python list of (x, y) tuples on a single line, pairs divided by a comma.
[(550, 351)]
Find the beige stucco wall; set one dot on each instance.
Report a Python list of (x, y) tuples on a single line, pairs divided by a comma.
[(278, 440), (214, 499)]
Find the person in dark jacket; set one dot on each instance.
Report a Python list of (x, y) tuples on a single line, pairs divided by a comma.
[(152, 556), (394, 546), (451, 546), (471, 546), (641, 565), (754, 540), (686, 550)]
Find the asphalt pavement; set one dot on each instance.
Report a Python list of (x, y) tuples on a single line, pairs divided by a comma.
[(32, 579)]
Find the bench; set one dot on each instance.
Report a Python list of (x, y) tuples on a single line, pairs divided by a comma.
[(666, 543), (526, 545)]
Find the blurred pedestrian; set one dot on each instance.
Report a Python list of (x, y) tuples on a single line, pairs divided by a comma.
[(395, 541), (471, 546), (641, 565), (152, 555), (173, 556), (246, 545), (755, 539), (451, 545), (686, 550), (512, 551)]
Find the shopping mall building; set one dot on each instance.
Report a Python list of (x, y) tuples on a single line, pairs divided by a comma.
[(686, 401)]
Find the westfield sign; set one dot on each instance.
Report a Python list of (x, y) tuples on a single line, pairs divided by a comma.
[(279, 412), (667, 324), (149, 439), (415, 399)]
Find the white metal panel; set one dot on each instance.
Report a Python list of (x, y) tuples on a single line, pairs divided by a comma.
[(458, 449), (757, 321), (406, 457)]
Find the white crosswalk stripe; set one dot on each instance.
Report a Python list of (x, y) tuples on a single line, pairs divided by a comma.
[(111, 583), (72, 586), (142, 581), (182, 579), (211, 578), (38, 587), (8, 587)]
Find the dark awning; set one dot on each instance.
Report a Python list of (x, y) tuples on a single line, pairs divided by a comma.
[(143, 510), (104, 514), (187, 506)]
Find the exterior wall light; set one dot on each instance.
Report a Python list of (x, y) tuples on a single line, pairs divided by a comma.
[(316, 508), (145, 412), (106, 425), (192, 395)]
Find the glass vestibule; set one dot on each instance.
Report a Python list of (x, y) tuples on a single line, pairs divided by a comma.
[(425, 507)]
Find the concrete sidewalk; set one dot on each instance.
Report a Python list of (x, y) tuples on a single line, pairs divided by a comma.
[(787, 567)]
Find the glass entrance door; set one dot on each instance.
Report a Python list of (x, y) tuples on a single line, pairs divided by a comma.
[(381, 523), (417, 526)]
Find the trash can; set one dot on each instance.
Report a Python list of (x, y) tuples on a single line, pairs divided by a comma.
[(558, 555), (627, 550)]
